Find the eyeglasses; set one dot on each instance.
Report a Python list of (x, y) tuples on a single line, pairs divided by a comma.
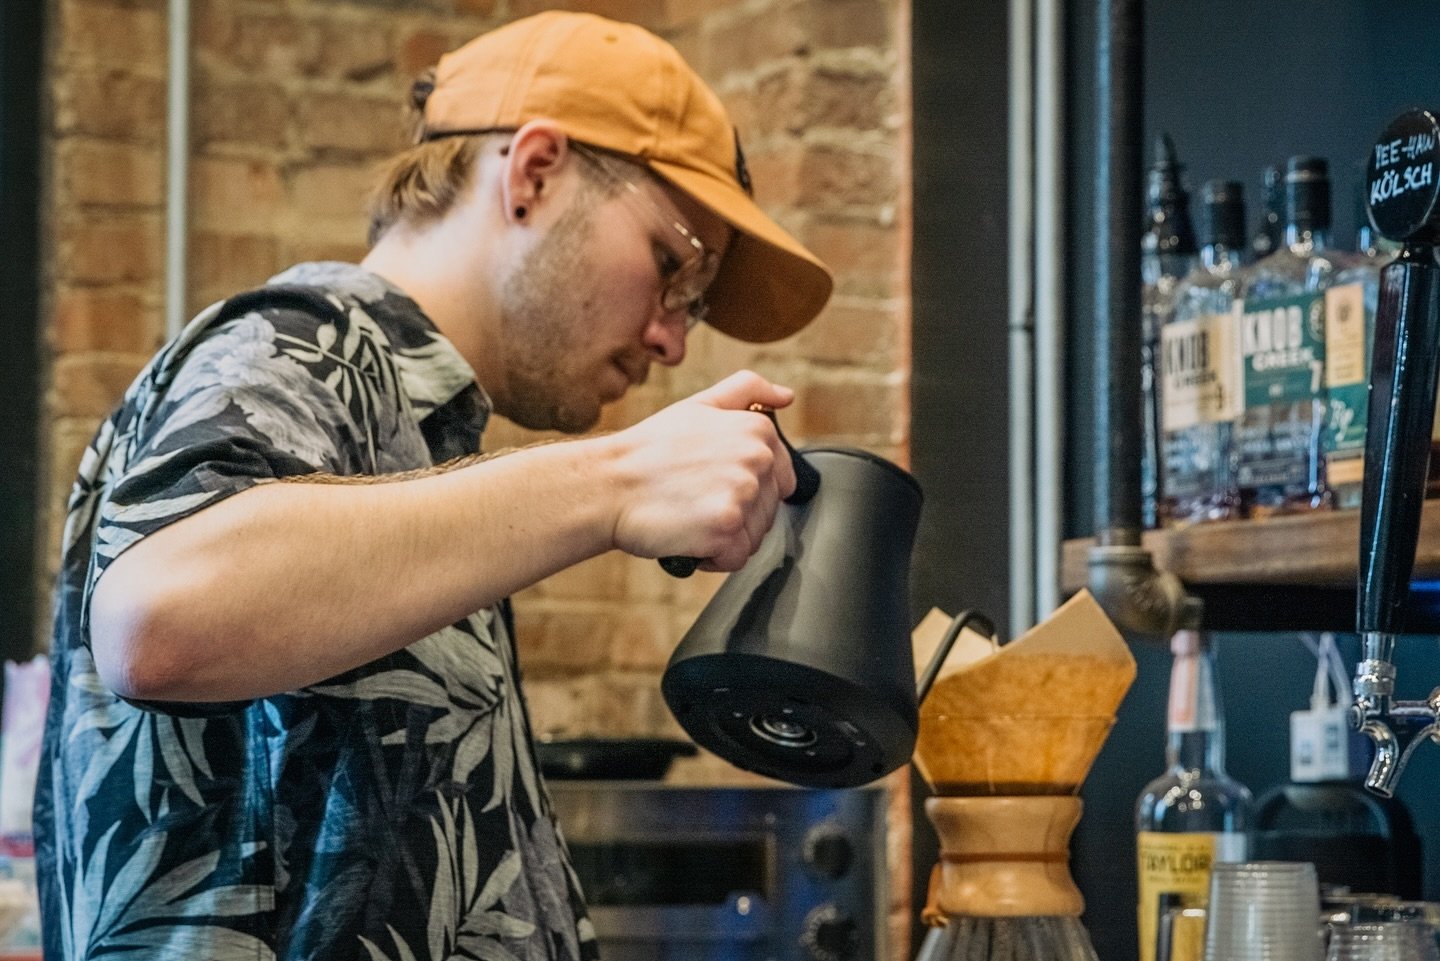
[(683, 279)]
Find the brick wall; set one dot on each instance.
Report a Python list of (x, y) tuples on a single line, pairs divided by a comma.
[(293, 104)]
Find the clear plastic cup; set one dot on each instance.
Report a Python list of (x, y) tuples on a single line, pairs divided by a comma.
[(1264, 911), (1410, 940)]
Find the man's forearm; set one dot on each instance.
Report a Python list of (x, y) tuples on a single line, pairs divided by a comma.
[(287, 584)]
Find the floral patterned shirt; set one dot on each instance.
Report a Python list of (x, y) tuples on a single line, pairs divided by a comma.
[(392, 813)]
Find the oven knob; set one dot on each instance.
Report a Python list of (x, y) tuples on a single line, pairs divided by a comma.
[(830, 934), (827, 851)]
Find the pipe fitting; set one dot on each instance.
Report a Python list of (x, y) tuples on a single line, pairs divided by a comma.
[(1136, 595)]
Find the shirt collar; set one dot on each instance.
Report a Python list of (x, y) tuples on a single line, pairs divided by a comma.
[(432, 371)]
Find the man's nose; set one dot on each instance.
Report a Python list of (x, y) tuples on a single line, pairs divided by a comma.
[(665, 335)]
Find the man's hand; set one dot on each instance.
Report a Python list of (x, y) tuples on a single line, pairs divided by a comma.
[(705, 476)]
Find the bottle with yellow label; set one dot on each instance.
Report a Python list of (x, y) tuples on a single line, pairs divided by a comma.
[(1194, 814)]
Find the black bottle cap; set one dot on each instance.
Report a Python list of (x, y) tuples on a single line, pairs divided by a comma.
[(1307, 193), (1168, 228), (1222, 213), (1268, 233), (1402, 179)]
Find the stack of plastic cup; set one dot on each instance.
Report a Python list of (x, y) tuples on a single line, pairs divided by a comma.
[(1264, 911), (1411, 940)]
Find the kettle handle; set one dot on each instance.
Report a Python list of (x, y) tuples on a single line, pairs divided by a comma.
[(807, 485), (961, 621)]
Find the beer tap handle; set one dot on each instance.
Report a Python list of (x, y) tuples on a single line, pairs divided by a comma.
[(1403, 200), (1397, 439)]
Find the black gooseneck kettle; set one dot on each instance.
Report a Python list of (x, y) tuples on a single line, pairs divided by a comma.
[(800, 667)]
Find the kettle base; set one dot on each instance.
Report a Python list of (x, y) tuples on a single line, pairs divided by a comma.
[(787, 721)]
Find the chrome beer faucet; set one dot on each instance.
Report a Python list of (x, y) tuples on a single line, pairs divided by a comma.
[(1378, 716), (1403, 199)]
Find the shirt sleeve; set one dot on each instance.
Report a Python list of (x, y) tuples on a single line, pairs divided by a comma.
[(271, 394)]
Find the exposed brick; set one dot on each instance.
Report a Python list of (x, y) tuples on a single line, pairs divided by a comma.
[(648, 13), (644, 638), (853, 331), (681, 13), (112, 36), (598, 579), (350, 50), (835, 178), (235, 195), (775, 174), (109, 174), (835, 24), (866, 257), (330, 190), (256, 115), (357, 125), (90, 385), (627, 705), (295, 252), (113, 104), (124, 250), (762, 36), (260, 43), (803, 96), (645, 580), (475, 8), (422, 49), (222, 264), (557, 704), (88, 319), (852, 409), (563, 641)]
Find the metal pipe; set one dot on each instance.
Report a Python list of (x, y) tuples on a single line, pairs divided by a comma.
[(1119, 127), (1022, 318), (177, 165), (1049, 300)]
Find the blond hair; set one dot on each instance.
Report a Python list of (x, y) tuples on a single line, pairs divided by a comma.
[(422, 182)]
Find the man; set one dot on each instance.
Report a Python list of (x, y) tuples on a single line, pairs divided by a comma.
[(279, 727)]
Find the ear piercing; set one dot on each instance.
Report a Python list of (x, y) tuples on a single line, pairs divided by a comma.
[(520, 213)]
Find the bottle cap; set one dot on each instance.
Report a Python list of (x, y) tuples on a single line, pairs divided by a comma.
[(1222, 213), (1169, 230), (1307, 193)]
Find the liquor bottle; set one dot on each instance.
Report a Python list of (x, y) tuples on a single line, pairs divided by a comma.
[(1270, 231), (1349, 338), (1194, 814), (1279, 435), (1200, 369), (1167, 253)]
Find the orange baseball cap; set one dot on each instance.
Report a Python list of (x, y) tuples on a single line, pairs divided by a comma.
[(618, 86)]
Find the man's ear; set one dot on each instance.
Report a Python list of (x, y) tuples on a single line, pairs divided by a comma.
[(535, 154)]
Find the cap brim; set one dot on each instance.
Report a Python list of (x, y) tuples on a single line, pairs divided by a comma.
[(769, 286)]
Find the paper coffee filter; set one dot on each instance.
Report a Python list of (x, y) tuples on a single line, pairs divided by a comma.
[(1008, 755), (1029, 716)]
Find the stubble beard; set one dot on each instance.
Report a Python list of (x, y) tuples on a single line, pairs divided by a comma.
[(545, 316)]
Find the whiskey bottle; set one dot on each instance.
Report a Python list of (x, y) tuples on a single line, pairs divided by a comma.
[(1278, 437), (1167, 253), (1270, 232), (1194, 814), (1200, 369), (1349, 339)]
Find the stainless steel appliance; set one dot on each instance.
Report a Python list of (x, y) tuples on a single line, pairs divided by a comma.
[(676, 873)]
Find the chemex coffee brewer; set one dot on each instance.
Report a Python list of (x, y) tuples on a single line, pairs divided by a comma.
[(1007, 735)]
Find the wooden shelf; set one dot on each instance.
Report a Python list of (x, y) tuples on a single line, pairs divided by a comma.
[(1295, 572)]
